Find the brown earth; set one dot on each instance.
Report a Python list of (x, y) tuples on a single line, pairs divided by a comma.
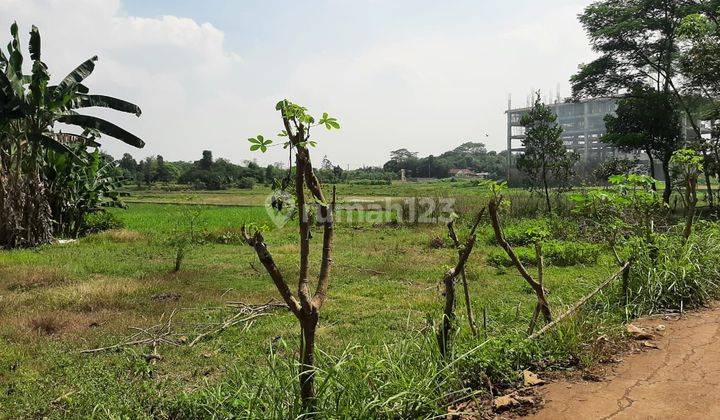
[(678, 380)]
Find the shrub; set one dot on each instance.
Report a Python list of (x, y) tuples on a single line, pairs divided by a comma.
[(370, 182), (565, 254), (224, 236), (246, 183), (499, 361), (669, 275), (499, 258), (520, 232), (100, 221), (556, 253)]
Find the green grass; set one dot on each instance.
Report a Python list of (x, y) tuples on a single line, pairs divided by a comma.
[(57, 300)]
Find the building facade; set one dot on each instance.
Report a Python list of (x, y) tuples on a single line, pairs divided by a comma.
[(583, 125)]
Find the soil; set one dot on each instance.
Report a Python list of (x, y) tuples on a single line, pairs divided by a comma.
[(678, 379)]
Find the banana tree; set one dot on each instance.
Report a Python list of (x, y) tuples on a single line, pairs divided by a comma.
[(32, 108), (76, 188)]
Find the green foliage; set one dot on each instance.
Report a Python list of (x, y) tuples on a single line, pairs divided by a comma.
[(646, 121), (259, 143), (626, 209), (523, 232), (370, 182), (668, 274), (405, 381), (246, 183), (469, 155), (50, 179), (186, 233), (77, 188), (556, 253), (688, 162), (301, 120), (99, 221), (544, 154), (615, 166)]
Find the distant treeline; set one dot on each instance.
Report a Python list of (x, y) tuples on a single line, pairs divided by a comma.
[(472, 156), (215, 174)]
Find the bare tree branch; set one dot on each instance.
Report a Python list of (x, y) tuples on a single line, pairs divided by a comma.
[(258, 243), (500, 237), (328, 216)]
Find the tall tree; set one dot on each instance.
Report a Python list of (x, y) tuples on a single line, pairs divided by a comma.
[(647, 121), (639, 46), (700, 66), (543, 146), (206, 161)]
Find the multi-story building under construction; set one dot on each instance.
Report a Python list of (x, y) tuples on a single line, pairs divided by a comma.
[(583, 125)]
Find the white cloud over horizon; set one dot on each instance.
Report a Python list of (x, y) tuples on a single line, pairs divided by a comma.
[(427, 90)]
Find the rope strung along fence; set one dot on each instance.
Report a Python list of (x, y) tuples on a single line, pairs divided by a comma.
[(580, 303)]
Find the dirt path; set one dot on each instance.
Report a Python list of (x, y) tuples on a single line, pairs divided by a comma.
[(681, 379)]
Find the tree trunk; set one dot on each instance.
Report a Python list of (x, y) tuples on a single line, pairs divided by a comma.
[(463, 273), (308, 325), (468, 304), (444, 335), (708, 180), (668, 182), (547, 193), (178, 259), (652, 168), (500, 237), (691, 198)]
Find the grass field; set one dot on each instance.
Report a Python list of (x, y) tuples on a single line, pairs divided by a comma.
[(60, 299)]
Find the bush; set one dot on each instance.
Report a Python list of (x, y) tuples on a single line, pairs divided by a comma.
[(521, 232), (565, 254), (499, 361), (224, 236), (668, 275), (498, 258), (370, 182), (246, 183), (556, 253), (100, 221)]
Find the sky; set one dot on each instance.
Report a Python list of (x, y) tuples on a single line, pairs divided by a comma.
[(418, 74)]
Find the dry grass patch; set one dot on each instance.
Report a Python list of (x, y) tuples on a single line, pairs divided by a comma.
[(66, 324), (20, 279), (56, 323), (123, 235)]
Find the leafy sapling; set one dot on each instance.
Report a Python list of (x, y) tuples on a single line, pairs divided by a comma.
[(186, 233), (305, 305), (687, 164)]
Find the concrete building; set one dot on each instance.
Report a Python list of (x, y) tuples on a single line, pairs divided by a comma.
[(583, 124)]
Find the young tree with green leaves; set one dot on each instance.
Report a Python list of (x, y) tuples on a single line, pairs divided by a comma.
[(305, 305), (688, 166), (544, 149)]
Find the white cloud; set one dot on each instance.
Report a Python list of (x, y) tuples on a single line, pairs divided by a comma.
[(173, 67), (426, 91), (431, 92)]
